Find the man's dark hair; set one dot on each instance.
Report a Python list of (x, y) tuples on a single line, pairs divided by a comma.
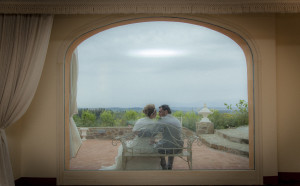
[(166, 107)]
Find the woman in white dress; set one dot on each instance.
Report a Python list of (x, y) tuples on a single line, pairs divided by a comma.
[(142, 143)]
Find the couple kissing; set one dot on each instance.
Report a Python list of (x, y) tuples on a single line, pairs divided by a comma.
[(145, 130)]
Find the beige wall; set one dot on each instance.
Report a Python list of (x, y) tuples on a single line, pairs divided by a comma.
[(38, 141), (33, 140), (288, 92)]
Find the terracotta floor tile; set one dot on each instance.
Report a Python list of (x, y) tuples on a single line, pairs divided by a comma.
[(95, 153)]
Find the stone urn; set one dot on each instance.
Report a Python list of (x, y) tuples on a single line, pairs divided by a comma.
[(205, 126), (205, 112), (83, 133)]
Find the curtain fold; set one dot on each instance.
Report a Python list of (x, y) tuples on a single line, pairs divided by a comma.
[(24, 42), (75, 140)]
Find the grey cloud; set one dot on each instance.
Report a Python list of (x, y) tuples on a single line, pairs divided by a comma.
[(213, 71)]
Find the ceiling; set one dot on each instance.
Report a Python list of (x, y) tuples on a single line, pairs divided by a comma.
[(148, 6)]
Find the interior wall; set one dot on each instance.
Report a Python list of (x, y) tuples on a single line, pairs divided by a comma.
[(288, 92), (261, 29), (36, 149), (38, 144)]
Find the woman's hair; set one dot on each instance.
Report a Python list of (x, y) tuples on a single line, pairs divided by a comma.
[(149, 109)]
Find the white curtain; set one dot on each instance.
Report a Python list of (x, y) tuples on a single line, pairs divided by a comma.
[(75, 140), (23, 46)]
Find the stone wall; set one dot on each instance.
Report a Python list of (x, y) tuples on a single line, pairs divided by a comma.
[(204, 128), (105, 132), (110, 132)]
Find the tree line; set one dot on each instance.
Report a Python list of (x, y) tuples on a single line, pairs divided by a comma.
[(102, 117)]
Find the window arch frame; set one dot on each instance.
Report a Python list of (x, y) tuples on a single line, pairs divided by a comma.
[(253, 175)]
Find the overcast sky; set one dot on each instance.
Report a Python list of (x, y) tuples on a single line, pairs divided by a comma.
[(173, 63)]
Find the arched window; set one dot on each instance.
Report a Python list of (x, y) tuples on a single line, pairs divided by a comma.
[(126, 67)]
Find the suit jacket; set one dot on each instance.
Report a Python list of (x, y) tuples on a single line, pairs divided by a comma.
[(171, 132)]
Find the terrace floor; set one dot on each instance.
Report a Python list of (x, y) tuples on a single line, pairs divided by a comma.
[(95, 153)]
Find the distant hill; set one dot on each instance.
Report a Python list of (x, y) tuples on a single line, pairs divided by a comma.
[(120, 109), (188, 109), (174, 109)]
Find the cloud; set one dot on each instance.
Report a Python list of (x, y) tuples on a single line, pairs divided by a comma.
[(210, 69)]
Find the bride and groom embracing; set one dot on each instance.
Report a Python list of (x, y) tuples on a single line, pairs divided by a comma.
[(145, 129)]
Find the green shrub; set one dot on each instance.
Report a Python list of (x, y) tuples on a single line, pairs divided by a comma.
[(189, 119), (237, 117), (107, 119), (87, 119), (130, 117)]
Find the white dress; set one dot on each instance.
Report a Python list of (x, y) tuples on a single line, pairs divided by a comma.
[(139, 145)]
